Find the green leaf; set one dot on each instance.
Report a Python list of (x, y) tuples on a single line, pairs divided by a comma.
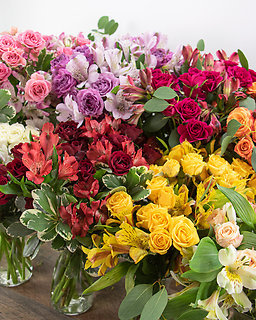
[(199, 64), (14, 82), (249, 240), (243, 60), (48, 234), (199, 276), (224, 144), (208, 253), (110, 278), (64, 231), (17, 229), (253, 158), (241, 205), (35, 219), (7, 113), (11, 188), (102, 22), (115, 89), (174, 138), (132, 178), (46, 65), (30, 246), (130, 277), (248, 103), (177, 305), (146, 176), (200, 45), (134, 302), (5, 96), (139, 193), (156, 105), (111, 181), (40, 59), (155, 123), (58, 243), (140, 60), (195, 314), (155, 306), (205, 290), (30, 70), (165, 93), (46, 199)]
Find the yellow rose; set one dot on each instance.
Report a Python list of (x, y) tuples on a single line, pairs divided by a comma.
[(171, 168), (218, 165), (120, 204), (183, 232), (166, 197), (151, 215), (231, 179), (242, 168), (156, 169), (193, 164), (160, 241), (180, 150), (155, 185)]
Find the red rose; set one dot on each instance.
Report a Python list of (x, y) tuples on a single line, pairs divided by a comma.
[(86, 169), (151, 154), (17, 168), (194, 130), (120, 163), (188, 109), (16, 151), (68, 130)]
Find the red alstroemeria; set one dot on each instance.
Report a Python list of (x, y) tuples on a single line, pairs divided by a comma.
[(86, 189), (100, 152), (68, 168), (37, 164), (48, 139), (138, 160), (78, 220)]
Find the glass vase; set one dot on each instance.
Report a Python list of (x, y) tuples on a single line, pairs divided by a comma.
[(14, 268), (69, 282)]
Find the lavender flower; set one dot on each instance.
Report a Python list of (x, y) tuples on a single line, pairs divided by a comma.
[(105, 83), (62, 82), (90, 102), (59, 62), (86, 52)]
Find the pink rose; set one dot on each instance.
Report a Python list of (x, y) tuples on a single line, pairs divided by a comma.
[(32, 40), (14, 58), (7, 43), (37, 88), (227, 234), (5, 72)]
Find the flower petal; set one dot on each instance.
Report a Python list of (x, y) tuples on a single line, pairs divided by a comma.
[(228, 255), (248, 276), (242, 300)]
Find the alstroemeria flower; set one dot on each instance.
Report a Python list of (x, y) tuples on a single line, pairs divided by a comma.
[(237, 272), (212, 306), (68, 168)]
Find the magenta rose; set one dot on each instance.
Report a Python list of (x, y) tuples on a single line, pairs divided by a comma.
[(37, 88), (192, 81), (194, 130), (5, 72), (188, 109), (244, 76), (161, 79), (213, 79), (17, 168), (120, 163), (253, 75)]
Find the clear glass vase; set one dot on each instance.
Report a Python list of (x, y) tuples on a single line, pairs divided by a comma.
[(14, 268), (69, 282)]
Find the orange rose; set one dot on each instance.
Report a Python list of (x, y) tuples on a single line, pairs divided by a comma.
[(242, 115), (252, 90), (244, 148)]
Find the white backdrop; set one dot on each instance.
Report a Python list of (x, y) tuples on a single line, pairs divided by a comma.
[(223, 24)]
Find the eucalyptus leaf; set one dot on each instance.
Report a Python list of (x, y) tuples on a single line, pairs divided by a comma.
[(130, 277), (208, 253), (155, 123), (155, 306), (174, 138), (248, 103), (195, 314), (200, 45), (102, 22), (199, 276), (156, 105), (134, 302), (253, 158), (165, 93)]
